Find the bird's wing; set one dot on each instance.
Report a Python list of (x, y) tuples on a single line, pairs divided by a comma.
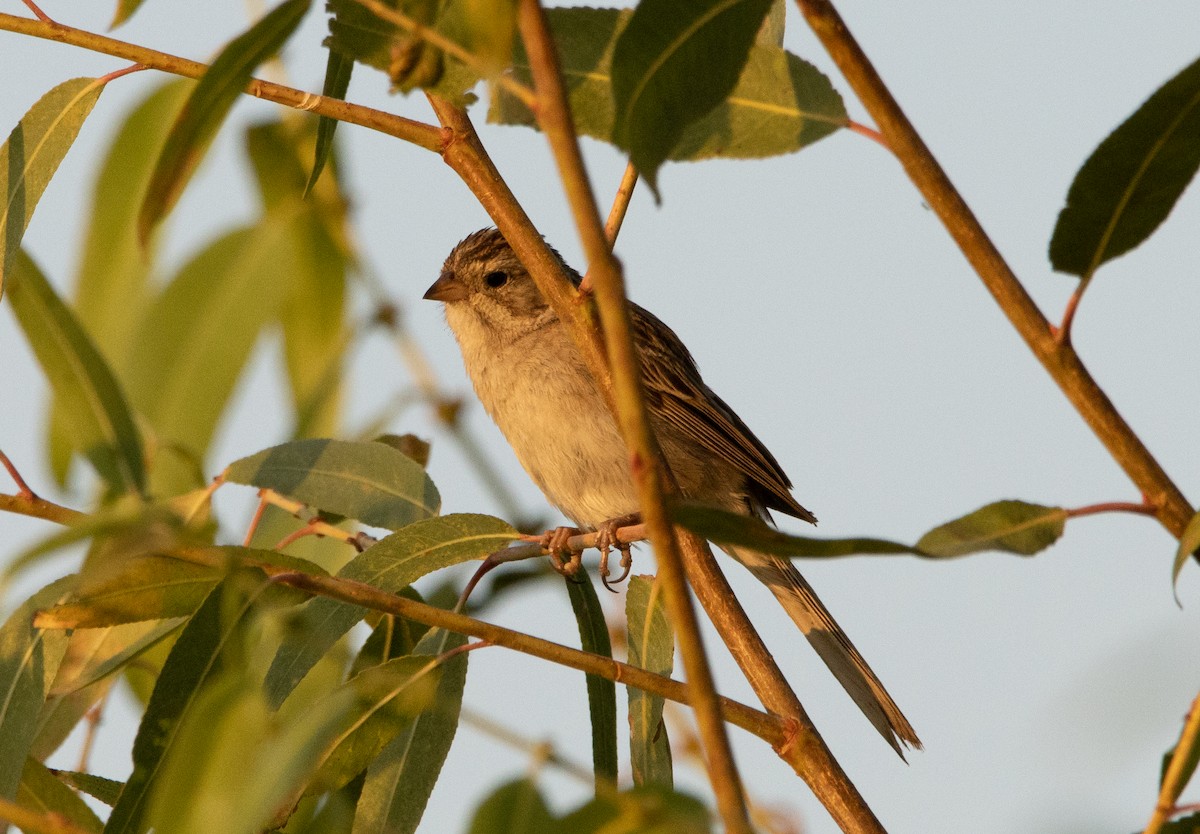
[(676, 394)]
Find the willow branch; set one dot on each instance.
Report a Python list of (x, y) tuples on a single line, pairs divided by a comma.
[(36, 507), (1058, 357), (1178, 771), (418, 133), (646, 467)]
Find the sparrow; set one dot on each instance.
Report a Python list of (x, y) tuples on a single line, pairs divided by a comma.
[(533, 383)]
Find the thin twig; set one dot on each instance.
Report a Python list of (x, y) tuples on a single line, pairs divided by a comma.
[(36, 822), (420, 134), (646, 463), (91, 725), (1178, 771), (535, 749), (38, 13), (23, 489), (1058, 358), (616, 217), (252, 527)]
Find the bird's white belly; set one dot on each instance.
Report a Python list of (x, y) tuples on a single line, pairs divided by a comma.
[(561, 431)]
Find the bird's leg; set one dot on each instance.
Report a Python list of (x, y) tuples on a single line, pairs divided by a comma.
[(561, 557), (606, 540)]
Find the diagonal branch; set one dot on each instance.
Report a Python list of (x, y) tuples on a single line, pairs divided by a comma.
[(1058, 357)]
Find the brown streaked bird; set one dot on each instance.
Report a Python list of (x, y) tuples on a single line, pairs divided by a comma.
[(531, 379)]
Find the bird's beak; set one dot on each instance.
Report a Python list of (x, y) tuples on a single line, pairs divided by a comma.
[(447, 288)]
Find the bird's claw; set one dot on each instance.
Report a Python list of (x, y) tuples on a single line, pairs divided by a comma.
[(606, 540), (562, 559)]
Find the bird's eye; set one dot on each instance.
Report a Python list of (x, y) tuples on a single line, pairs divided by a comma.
[(496, 279)]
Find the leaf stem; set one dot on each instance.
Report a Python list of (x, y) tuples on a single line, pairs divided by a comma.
[(1057, 357), (1144, 508), (647, 469), (423, 135), (1062, 333), (869, 132)]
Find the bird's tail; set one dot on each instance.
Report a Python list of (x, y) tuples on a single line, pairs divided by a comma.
[(831, 643)]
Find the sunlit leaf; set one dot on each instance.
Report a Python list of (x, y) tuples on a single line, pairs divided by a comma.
[(32, 153), (771, 31), (370, 482), (197, 337), (779, 105), (651, 647), (338, 69), (1130, 183), (43, 792), (208, 105), (105, 790), (92, 402), (401, 778), (671, 65), (386, 699), (601, 692), (125, 10), (392, 563), (490, 28), (29, 659), (646, 809), (1189, 543), (226, 734), (514, 808), (212, 640), (1011, 526)]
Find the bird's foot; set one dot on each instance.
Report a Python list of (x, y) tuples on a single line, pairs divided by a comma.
[(606, 540), (562, 559)]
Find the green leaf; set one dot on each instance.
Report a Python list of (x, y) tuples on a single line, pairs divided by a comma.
[(29, 660), (602, 693), (1130, 183), (392, 563), (651, 647), (367, 481), (386, 699), (338, 69), (42, 791), (198, 335), (105, 790), (401, 778), (724, 527), (125, 10), (409, 61), (771, 31), (1190, 761), (92, 402), (1011, 526), (514, 808), (208, 105), (671, 65), (227, 734), (211, 642), (1189, 543), (491, 26), (780, 104), (647, 809), (1184, 825), (32, 153)]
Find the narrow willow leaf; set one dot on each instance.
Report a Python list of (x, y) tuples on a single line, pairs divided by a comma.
[(651, 647), (514, 808), (671, 65), (1189, 543), (211, 641), (32, 153), (208, 105), (105, 790), (1130, 183), (779, 105), (227, 734), (125, 10), (386, 699), (1011, 526), (401, 778), (367, 481), (42, 791), (29, 659), (602, 693), (643, 809), (724, 527), (338, 69), (392, 563), (93, 405), (410, 62), (197, 337)]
